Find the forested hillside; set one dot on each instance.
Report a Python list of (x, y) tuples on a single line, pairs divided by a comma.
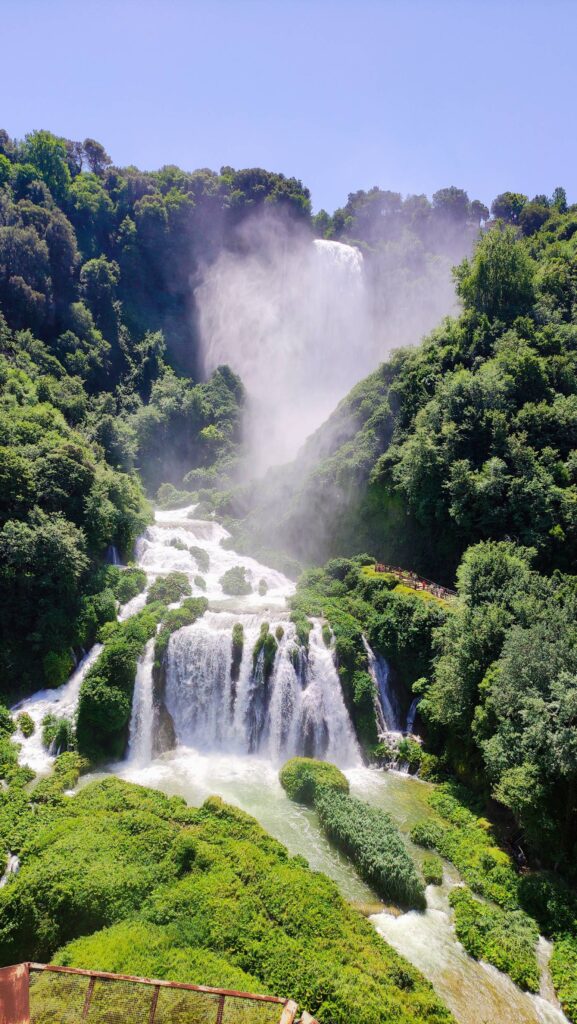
[(469, 436)]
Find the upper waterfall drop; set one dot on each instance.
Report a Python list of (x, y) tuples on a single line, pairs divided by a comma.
[(292, 318)]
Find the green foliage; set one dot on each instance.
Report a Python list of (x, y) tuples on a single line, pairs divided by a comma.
[(133, 881), (465, 838), (302, 777), (235, 582), (265, 647), (563, 966), (432, 870), (237, 649), (262, 587), (200, 582), (411, 752), (201, 557), (26, 724), (57, 734), (105, 697), (127, 583), (168, 589), (191, 609), (506, 939), (373, 842)]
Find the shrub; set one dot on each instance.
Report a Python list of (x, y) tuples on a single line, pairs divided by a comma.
[(465, 838), (237, 649), (563, 966), (235, 582), (200, 582), (266, 646), (302, 776), (433, 870), (169, 589), (263, 587), (507, 939), (131, 581), (279, 633), (373, 842), (25, 724), (178, 544), (7, 723), (327, 635), (57, 733), (410, 751), (201, 557)]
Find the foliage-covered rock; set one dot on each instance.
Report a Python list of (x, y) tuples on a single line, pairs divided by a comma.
[(301, 777), (169, 588), (507, 939), (235, 582)]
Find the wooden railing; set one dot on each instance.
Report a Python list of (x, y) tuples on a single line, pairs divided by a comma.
[(33, 993)]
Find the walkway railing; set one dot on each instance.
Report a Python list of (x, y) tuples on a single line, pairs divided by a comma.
[(410, 579), (33, 993)]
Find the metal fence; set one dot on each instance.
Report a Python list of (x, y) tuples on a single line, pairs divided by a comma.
[(44, 994)]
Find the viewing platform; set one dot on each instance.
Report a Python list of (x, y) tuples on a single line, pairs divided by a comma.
[(411, 579), (33, 993)]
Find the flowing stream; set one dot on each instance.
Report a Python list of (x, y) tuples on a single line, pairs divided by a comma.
[(230, 730)]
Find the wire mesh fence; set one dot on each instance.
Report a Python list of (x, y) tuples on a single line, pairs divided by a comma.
[(57, 995)]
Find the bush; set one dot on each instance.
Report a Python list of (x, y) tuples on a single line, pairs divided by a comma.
[(235, 582), (563, 966), (433, 870), (26, 724), (57, 734), (169, 589), (131, 581), (201, 557), (266, 646), (411, 752), (465, 838), (200, 582), (237, 649), (262, 587), (302, 776), (373, 842), (507, 939)]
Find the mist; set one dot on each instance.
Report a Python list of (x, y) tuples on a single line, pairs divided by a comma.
[(303, 320)]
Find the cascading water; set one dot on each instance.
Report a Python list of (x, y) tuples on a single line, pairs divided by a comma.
[(142, 718), (388, 710)]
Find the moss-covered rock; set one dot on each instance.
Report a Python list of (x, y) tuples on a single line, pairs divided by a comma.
[(302, 776)]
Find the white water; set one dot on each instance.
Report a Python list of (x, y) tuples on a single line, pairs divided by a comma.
[(292, 319), (60, 702), (142, 718), (230, 741), (12, 868)]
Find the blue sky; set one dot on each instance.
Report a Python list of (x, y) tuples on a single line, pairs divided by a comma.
[(411, 95)]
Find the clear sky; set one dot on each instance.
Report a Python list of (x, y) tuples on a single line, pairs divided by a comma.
[(411, 95)]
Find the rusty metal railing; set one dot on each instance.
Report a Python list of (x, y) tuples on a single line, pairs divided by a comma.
[(33, 993)]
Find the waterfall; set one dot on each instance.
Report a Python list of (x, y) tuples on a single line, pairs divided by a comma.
[(411, 715), (12, 868), (388, 710), (293, 705), (141, 722), (279, 716), (291, 317)]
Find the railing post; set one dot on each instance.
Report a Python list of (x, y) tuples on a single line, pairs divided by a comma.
[(289, 1013), (88, 998), (220, 1010), (15, 994), (155, 995)]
